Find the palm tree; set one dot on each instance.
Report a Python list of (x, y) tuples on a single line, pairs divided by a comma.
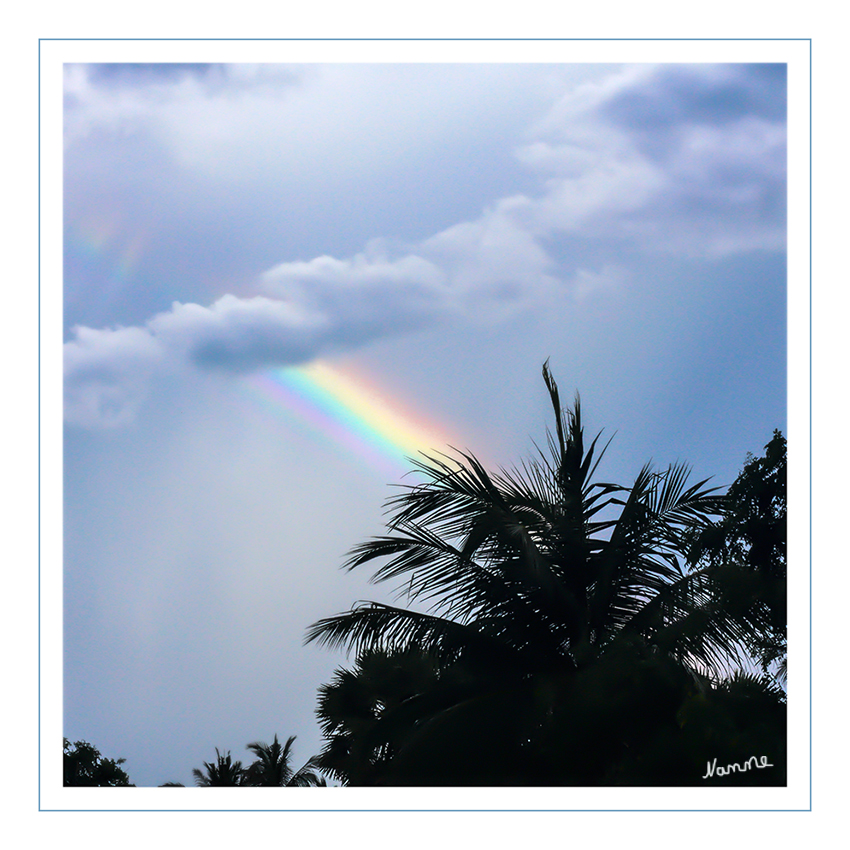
[(272, 767), (540, 586), (221, 772)]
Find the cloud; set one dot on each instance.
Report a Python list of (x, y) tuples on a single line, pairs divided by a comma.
[(642, 153), (107, 373), (308, 125), (686, 160), (239, 334), (158, 98), (478, 271), (366, 295), (472, 270), (672, 159), (657, 103)]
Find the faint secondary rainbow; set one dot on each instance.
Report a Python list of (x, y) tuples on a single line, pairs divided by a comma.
[(345, 408), (97, 237), (104, 251)]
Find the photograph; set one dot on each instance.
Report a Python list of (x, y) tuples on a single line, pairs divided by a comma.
[(424, 425)]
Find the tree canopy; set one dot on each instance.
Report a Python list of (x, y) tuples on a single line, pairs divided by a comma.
[(83, 765), (747, 548), (558, 630), (221, 772), (555, 629), (273, 767)]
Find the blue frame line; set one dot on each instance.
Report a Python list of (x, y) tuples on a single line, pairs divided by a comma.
[(561, 40), (38, 525)]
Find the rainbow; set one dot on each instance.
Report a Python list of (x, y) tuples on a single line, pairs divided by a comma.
[(107, 251), (337, 406), (345, 408), (93, 237)]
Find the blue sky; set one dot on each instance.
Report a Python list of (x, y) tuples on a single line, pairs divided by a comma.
[(438, 229)]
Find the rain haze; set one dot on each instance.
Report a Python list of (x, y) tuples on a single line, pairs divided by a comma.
[(281, 281)]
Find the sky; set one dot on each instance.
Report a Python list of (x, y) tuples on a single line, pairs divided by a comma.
[(282, 280)]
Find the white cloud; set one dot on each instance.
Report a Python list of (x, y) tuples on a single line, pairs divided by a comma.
[(687, 160), (106, 374), (309, 125), (482, 270), (366, 292)]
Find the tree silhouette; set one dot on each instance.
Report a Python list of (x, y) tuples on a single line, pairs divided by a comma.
[(361, 716), (222, 771), (563, 621), (83, 765), (747, 547), (272, 767)]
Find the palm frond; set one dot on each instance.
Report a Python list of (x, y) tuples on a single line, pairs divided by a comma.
[(374, 626), (536, 571)]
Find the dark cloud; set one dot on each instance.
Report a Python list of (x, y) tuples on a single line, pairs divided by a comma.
[(696, 94), (687, 159), (679, 96)]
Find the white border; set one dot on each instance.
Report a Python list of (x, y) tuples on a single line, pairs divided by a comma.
[(54, 54)]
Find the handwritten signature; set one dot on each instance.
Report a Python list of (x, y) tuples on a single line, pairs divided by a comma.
[(712, 767)]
